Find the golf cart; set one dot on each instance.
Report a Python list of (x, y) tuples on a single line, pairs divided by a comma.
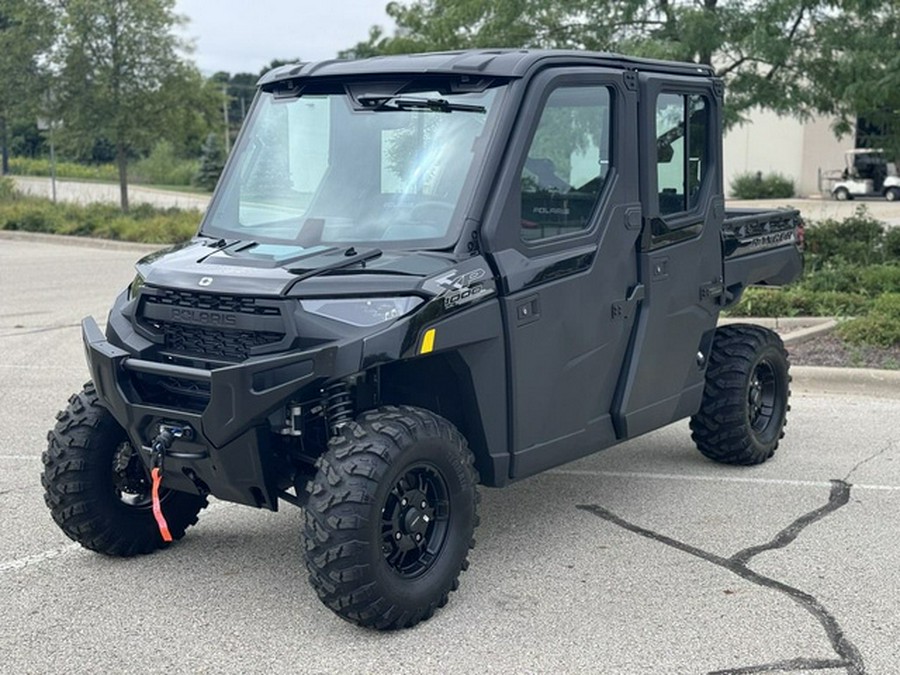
[(868, 173)]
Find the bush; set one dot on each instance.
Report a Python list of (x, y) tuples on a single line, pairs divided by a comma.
[(164, 167), (892, 244), (880, 327), (871, 281), (757, 186), (24, 166), (7, 189), (798, 301), (143, 223), (857, 240)]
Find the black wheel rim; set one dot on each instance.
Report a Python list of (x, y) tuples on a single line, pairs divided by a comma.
[(762, 397), (131, 481), (415, 520)]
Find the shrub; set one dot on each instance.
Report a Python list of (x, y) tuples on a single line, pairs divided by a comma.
[(25, 166), (881, 327), (144, 223), (757, 186), (164, 167), (872, 280), (858, 240), (7, 189), (797, 301), (892, 244)]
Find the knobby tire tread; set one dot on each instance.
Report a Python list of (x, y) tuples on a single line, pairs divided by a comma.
[(721, 429), (341, 497), (79, 491)]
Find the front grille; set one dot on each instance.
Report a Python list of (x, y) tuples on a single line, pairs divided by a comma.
[(215, 342), (254, 323), (208, 301)]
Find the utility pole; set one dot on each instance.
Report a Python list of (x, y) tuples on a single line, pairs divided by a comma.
[(52, 163), (225, 115), (47, 124)]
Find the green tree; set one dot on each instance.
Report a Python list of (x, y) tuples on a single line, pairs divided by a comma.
[(859, 70), (27, 31), (123, 76), (212, 161), (772, 53)]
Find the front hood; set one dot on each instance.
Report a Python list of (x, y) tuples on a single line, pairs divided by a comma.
[(273, 271)]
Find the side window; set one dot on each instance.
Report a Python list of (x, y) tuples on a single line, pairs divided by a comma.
[(567, 163), (682, 129)]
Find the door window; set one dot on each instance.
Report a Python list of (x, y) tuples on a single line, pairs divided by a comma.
[(681, 123), (567, 164)]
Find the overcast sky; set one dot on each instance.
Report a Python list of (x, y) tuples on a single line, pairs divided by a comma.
[(245, 35)]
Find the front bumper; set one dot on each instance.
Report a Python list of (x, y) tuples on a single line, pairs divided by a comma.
[(227, 452)]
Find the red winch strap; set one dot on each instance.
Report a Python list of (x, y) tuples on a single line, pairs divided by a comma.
[(157, 509)]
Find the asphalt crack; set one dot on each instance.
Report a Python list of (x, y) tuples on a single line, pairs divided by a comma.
[(870, 458), (849, 657), (43, 329)]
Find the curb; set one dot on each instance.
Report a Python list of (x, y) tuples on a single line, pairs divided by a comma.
[(846, 381), (87, 242), (806, 334), (792, 330)]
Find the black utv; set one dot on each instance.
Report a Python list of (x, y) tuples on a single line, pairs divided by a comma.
[(418, 274)]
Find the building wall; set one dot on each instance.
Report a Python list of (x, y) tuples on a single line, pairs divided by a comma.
[(770, 143)]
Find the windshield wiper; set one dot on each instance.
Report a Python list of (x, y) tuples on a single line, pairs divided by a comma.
[(349, 257), (225, 245), (381, 102)]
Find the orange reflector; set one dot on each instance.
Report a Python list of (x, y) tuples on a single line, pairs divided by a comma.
[(427, 341), (157, 509)]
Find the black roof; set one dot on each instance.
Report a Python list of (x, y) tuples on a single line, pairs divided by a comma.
[(510, 63)]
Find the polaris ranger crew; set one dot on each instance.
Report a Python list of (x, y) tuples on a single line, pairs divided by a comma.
[(418, 274)]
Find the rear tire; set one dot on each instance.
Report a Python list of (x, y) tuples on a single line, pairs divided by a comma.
[(892, 194), (97, 488), (745, 401), (390, 517)]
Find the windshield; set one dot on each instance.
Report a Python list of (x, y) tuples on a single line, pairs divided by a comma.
[(333, 169)]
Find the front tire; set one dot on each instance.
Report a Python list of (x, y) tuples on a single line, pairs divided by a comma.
[(390, 517), (892, 194), (97, 488), (842, 194), (745, 400)]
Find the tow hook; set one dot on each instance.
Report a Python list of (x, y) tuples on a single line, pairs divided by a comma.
[(163, 441)]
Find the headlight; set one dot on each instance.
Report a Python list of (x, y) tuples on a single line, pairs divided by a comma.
[(364, 312), (135, 287)]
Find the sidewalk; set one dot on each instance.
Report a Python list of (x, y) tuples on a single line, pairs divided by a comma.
[(813, 209), (86, 193)]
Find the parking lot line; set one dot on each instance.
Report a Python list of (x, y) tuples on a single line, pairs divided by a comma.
[(714, 479), (37, 558)]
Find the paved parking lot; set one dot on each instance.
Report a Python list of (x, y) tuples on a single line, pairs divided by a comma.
[(646, 558)]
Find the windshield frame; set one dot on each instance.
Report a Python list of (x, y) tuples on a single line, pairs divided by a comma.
[(448, 86)]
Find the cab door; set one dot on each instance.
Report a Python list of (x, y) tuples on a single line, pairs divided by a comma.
[(563, 234), (681, 251)]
